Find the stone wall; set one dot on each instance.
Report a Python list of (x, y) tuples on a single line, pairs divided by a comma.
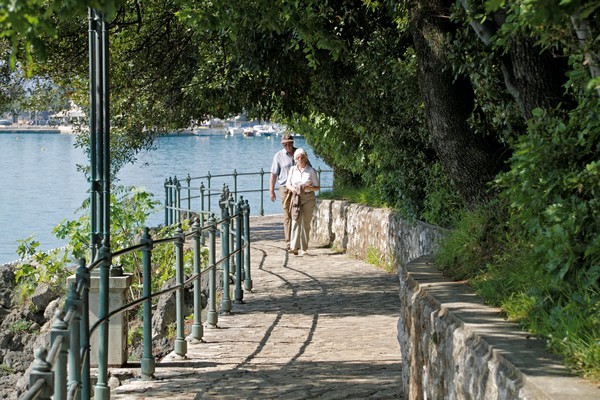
[(452, 345), (358, 230)]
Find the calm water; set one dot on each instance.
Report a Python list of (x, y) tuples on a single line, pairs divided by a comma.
[(41, 187)]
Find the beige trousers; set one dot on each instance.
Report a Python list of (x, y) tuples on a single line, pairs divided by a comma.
[(287, 217), (301, 228)]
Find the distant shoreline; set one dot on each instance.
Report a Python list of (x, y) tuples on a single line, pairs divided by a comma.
[(30, 129)]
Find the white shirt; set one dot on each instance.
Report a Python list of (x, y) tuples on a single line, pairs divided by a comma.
[(297, 178)]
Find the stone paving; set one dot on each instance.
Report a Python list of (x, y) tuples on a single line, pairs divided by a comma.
[(318, 326)]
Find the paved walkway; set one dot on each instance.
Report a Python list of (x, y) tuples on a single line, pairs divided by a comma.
[(319, 326)]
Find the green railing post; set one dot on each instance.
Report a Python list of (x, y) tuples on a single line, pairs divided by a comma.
[(60, 332), (208, 176), (147, 363), (84, 278), (239, 292), (319, 175), (166, 202), (212, 316), (170, 202), (197, 328), (101, 389), (73, 302), (42, 369), (180, 343), (177, 211), (202, 211), (230, 204), (235, 183), (248, 280), (189, 196), (262, 192), (225, 300)]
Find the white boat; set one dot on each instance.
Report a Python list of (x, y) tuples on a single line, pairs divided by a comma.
[(264, 130), (206, 131)]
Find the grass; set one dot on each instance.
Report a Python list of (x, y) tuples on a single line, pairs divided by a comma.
[(365, 196), (374, 257)]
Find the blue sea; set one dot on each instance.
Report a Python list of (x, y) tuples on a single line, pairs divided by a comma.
[(41, 185)]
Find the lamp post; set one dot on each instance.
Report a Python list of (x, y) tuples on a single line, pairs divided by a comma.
[(100, 181)]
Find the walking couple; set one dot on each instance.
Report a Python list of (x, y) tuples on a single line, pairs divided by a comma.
[(298, 182)]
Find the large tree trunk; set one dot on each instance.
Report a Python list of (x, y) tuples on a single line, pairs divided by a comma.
[(538, 76), (533, 76), (471, 161)]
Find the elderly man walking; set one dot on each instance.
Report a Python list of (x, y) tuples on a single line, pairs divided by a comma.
[(283, 161)]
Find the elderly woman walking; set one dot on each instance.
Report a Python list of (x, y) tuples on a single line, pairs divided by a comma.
[(303, 182)]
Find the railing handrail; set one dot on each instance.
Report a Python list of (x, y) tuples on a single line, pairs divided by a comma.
[(179, 193), (71, 331)]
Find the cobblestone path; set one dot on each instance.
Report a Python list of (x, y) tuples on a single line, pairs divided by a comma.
[(319, 326)]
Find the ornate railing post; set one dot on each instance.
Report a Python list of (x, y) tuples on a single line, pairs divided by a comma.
[(189, 196), (212, 316), (239, 292), (166, 185), (83, 279), (147, 363), (177, 210), (102, 390), (197, 328), (74, 303), (235, 183), (231, 204), (248, 280), (319, 173), (42, 370), (170, 202), (60, 332), (225, 300), (180, 343), (208, 179), (202, 210), (262, 191)]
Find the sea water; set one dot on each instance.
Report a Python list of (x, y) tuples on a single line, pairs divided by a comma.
[(41, 185)]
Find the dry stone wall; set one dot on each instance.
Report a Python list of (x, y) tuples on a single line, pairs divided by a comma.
[(452, 345), (358, 230)]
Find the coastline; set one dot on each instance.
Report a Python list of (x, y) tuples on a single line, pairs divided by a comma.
[(32, 129)]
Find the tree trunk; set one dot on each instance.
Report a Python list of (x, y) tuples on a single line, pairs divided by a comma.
[(538, 76), (471, 161)]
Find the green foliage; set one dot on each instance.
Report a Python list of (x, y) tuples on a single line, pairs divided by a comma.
[(504, 267), (374, 257), (442, 204), (364, 195), (20, 326), (38, 267), (7, 369), (466, 250), (27, 22), (130, 208), (553, 189)]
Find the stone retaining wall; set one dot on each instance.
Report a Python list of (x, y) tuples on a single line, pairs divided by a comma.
[(359, 230), (452, 345)]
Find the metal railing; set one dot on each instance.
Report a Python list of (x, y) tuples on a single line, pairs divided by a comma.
[(63, 371), (183, 196)]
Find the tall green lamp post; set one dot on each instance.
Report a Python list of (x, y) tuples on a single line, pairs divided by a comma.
[(100, 184)]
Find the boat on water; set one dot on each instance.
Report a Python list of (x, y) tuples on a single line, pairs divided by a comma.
[(206, 131), (264, 130), (249, 132)]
